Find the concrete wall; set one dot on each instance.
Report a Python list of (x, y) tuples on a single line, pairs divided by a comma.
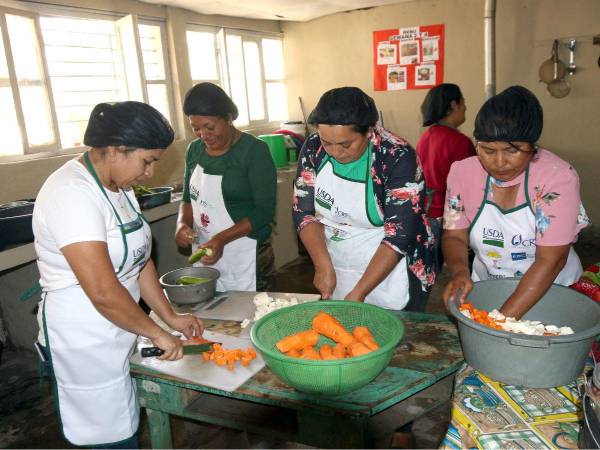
[(337, 50)]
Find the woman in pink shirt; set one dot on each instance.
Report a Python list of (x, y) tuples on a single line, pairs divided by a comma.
[(515, 204)]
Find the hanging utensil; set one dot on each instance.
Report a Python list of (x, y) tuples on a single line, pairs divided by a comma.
[(571, 46), (558, 87), (546, 71)]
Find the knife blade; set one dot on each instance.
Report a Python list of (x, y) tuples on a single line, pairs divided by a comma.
[(194, 349)]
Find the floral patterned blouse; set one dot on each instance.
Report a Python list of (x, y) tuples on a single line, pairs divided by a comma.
[(553, 189), (399, 191)]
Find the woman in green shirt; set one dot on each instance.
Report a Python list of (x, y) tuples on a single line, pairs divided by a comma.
[(228, 193)]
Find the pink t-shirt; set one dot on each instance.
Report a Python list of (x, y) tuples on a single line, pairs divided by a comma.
[(553, 187)]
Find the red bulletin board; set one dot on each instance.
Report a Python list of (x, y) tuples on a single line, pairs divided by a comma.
[(408, 58)]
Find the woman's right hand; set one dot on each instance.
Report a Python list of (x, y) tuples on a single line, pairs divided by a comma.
[(460, 282), (325, 282), (184, 235), (171, 345)]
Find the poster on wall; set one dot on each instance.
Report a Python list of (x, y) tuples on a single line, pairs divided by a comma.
[(408, 58)]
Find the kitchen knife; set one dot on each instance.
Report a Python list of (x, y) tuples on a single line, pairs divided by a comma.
[(194, 349)]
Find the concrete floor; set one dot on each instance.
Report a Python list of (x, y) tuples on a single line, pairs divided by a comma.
[(28, 419)]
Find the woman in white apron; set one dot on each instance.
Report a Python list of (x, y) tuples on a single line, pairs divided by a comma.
[(93, 247), (359, 207), (229, 193), (516, 205)]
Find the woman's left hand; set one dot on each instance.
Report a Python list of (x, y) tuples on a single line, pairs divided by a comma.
[(217, 245), (187, 324), (355, 296)]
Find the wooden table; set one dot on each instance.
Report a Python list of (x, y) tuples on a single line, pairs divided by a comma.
[(417, 379)]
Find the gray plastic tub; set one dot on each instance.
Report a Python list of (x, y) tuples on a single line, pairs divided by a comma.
[(531, 361), (193, 293)]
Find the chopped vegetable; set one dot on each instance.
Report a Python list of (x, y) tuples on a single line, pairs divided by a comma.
[(326, 352), (310, 353), (329, 326), (339, 351), (224, 357), (363, 334), (204, 251), (187, 280), (293, 353), (298, 341), (358, 349), (140, 190)]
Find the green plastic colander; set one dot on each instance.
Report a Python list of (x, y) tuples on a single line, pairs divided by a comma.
[(331, 377)]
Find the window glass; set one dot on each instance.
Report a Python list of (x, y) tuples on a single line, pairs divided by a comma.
[(202, 57), (85, 69), (254, 84), (276, 101), (32, 89), (237, 80), (158, 97), (9, 127), (152, 52), (273, 59)]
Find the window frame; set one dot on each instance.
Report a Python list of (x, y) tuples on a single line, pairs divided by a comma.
[(29, 149), (221, 34), (55, 148)]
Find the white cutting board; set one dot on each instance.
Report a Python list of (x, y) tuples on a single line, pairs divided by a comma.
[(194, 369)]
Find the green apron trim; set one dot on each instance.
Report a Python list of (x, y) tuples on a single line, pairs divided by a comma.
[(125, 229), (503, 211), (358, 171)]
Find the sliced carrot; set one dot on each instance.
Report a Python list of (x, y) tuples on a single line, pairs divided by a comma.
[(339, 351), (363, 334), (310, 353), (329, 326), (358, 348), (326, 352), (298, 341)]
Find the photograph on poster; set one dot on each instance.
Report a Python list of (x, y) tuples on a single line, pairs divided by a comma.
[(409, 52), (424, 75), (396, 78), (386, 53), (431, 50)]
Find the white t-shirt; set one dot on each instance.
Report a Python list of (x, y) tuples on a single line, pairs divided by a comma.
[(71, 208)]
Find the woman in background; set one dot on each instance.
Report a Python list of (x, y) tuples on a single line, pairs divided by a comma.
[(229, 193)]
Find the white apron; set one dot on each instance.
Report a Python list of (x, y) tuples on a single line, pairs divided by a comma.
[(352, 237), (238, 263), (504, 242), (96, 397)]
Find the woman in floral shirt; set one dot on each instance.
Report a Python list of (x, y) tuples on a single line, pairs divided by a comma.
[(516, 205), (358, 207)]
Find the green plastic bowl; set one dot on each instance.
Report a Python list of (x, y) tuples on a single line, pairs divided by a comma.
[(331, 377)]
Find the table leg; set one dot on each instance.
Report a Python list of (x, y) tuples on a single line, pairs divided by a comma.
[(333, 431), (160, 429)]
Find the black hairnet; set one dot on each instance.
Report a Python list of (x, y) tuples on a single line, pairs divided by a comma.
[(132, 124), (345, 106), (437, 102), (207, 99), (515, 114)]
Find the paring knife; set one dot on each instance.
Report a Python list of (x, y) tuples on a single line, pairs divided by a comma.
[(194, 349)]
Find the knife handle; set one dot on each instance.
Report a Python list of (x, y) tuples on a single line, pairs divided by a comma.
[(151, 351)]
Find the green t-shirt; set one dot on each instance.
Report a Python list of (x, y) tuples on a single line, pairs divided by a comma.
[(249, 184)]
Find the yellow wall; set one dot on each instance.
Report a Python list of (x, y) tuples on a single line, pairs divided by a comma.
[(20, 180), (337, 50)]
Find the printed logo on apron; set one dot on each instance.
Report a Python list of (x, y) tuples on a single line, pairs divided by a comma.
[(351, 237), (238, 263), (504, 242)]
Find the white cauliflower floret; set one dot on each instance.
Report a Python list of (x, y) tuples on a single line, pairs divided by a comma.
[(566, 330)]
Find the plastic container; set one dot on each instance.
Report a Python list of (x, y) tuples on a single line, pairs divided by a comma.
[(192, 293), (15, 223), (331, 377), (295, 126), (276, 143), (530, 361), (159, 196)]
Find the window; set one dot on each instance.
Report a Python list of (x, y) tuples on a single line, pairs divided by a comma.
[(249, 66), (55, 69)]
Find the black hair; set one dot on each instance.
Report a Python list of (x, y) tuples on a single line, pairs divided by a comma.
[(514, 114), (345, 106), (130, 124), (208, 99), (438, 102)]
